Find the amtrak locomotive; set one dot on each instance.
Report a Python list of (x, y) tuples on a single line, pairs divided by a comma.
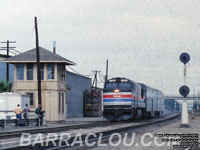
[(124, 99)]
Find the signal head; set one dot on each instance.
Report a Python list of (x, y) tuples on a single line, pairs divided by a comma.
[(184, 90), (185, 58)]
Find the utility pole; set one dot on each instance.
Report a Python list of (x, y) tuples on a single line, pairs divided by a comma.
[(194, 101), (96, 79), (8, 49), (106, 78), (198, 98), (54, 47), (94, 84), (38, 63)]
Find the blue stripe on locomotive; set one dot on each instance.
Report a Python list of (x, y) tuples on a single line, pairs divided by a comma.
[(122, 100)]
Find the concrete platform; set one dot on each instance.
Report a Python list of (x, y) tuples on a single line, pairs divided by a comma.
[(85, 119), (68, 122)]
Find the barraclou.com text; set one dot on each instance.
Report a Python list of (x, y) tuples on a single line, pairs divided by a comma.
[(67, 139)]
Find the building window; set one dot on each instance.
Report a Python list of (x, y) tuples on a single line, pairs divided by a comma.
[(31, 99), (59, 75), (50, 71), (29, 71), (63, 73), (63, 103), (59, 102), (20, 71), (42, 71)]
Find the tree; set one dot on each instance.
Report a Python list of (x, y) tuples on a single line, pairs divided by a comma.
[(5, 86)]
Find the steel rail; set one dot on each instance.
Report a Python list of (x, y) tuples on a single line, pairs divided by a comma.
[(12, 134), (121, 131), (105, 134)]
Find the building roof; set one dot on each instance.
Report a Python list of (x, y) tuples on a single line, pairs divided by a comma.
[(45, 56), (72, 73)]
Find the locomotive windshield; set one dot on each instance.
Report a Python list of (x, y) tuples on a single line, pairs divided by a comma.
[(124, 85), (111, 85), (114, 85)]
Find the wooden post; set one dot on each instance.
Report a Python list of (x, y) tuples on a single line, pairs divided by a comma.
[(38, 64)]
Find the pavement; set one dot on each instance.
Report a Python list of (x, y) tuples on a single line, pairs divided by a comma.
[(85, 119), (68, 122), (150, 135), (14, 141)]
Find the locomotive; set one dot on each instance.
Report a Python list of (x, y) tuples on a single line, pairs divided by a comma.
[(124, 99)]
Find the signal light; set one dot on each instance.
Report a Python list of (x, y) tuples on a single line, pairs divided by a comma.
[(116, 90)]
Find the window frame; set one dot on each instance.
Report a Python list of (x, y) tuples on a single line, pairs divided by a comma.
[(63, 73), (42, 71), (31, 93), (63, 103), (29, 70), (59, 102), (52, 71), (18, 69)]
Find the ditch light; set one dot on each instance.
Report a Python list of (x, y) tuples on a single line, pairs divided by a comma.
[(116, 91)]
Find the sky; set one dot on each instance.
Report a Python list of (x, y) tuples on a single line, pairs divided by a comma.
[(142, 39)]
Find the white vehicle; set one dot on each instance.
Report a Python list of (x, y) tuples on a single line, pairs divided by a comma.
[(8, 103)]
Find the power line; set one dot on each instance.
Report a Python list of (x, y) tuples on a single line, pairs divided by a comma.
[(16, 50), (78, 72), (11, 51)]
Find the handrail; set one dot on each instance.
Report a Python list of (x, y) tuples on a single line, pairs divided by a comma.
[(18, 122)]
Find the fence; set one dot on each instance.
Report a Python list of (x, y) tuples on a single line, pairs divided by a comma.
[(32, 120), (19, 122)]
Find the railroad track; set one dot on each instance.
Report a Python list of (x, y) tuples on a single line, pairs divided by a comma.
[(12, 134), (103, 134), (106, 134)]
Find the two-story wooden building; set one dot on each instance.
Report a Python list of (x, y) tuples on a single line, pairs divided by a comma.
[(53, 78)]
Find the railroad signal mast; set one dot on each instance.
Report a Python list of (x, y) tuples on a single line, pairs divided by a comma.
[(184, 90)]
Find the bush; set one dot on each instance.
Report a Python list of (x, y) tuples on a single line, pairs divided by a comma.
[(5, 86)]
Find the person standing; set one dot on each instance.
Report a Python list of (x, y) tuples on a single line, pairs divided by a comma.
[(18, 112), (26, 112), (38, 112)]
